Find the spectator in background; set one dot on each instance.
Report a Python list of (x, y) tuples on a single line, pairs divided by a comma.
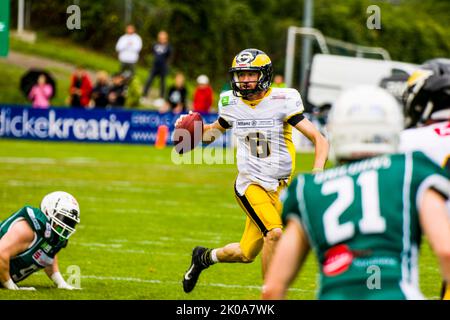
[(203, 95), (117, 94), (80, 89), (176, 98), (101, 90), (278, 81), (129, 46), (41, 93), (162, 50)]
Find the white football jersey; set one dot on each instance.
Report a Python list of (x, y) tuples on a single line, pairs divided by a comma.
[(433, 140), (263, 130)]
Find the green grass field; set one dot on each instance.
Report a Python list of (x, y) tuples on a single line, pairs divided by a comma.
[(141, 215)]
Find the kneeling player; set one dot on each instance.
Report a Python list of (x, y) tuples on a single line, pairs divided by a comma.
[(31, 238)]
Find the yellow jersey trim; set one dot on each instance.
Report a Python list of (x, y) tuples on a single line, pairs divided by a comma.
[(287, 133), (253, 103)]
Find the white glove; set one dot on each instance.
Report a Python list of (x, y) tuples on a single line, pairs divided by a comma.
[(61, 283), (10, 285)]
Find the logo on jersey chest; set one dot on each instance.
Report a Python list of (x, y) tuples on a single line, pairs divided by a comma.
[(254, 123), (42, 258)]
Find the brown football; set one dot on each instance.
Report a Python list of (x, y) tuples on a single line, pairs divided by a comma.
[(188, 133)]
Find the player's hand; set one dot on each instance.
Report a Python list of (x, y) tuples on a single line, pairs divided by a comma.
[(10, 285), (181, 118)]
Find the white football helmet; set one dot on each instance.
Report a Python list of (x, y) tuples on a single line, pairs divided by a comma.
[(63, 211), (364, 121)]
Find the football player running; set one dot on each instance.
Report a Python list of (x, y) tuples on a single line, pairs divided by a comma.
[(427, 112), (262, 119), (365, 218), (31, 238)]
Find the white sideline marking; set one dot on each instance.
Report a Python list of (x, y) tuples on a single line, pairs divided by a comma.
[(105, 249), (178, 283), (80, 160), (20, 160), (118, 243), (24, 160)]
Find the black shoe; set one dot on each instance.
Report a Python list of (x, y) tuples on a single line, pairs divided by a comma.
[(191, 276)]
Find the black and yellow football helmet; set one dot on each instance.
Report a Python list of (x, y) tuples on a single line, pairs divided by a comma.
[(427, 92), (251, 60)]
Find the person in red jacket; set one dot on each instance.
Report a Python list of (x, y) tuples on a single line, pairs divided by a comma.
[(203, 95), (80, 89)]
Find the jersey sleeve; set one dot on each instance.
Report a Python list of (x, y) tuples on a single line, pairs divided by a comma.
[(294, 108), (428, 175), (225, 116), (35, 219)]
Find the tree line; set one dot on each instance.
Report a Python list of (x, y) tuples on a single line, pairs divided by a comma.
[(206, 34)]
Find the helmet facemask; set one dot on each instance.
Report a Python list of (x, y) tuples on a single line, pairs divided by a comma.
[(64, 221), (238, 86)]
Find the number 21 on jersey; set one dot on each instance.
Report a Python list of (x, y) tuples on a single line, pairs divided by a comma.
[(371, 220)]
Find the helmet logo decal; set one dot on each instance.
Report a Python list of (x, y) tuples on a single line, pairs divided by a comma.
[(245, 57)]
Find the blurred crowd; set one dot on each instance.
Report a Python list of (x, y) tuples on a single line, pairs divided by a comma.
[(111, 91)]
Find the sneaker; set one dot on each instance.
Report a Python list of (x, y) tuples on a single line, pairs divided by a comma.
[(191, 276)]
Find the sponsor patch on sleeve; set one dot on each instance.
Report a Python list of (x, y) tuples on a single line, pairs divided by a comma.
[(33, 219), (225, 100)]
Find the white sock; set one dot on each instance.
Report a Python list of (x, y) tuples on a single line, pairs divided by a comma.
[(214, 256)]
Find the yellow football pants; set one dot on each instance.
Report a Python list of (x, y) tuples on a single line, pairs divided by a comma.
[(263, 211)]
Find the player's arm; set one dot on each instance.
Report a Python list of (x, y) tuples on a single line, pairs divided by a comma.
[(435, 221), (308, 129), (214, 130), (18, 239), (53, 273), (290, 254), (210, 131)]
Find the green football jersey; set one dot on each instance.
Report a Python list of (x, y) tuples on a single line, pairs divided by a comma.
[(45, 246), (362, 223)]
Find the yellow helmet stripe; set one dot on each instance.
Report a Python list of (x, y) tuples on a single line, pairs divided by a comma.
[(260, 60), (418, 75)]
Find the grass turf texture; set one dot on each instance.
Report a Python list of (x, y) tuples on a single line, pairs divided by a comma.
[(141, 215)]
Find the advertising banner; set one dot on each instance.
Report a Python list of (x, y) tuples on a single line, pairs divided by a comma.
[(96, 125)]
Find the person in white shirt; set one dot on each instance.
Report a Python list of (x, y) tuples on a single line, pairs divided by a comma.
[(129, 46)]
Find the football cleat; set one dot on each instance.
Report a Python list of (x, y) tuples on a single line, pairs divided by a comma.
[(197, 266)]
